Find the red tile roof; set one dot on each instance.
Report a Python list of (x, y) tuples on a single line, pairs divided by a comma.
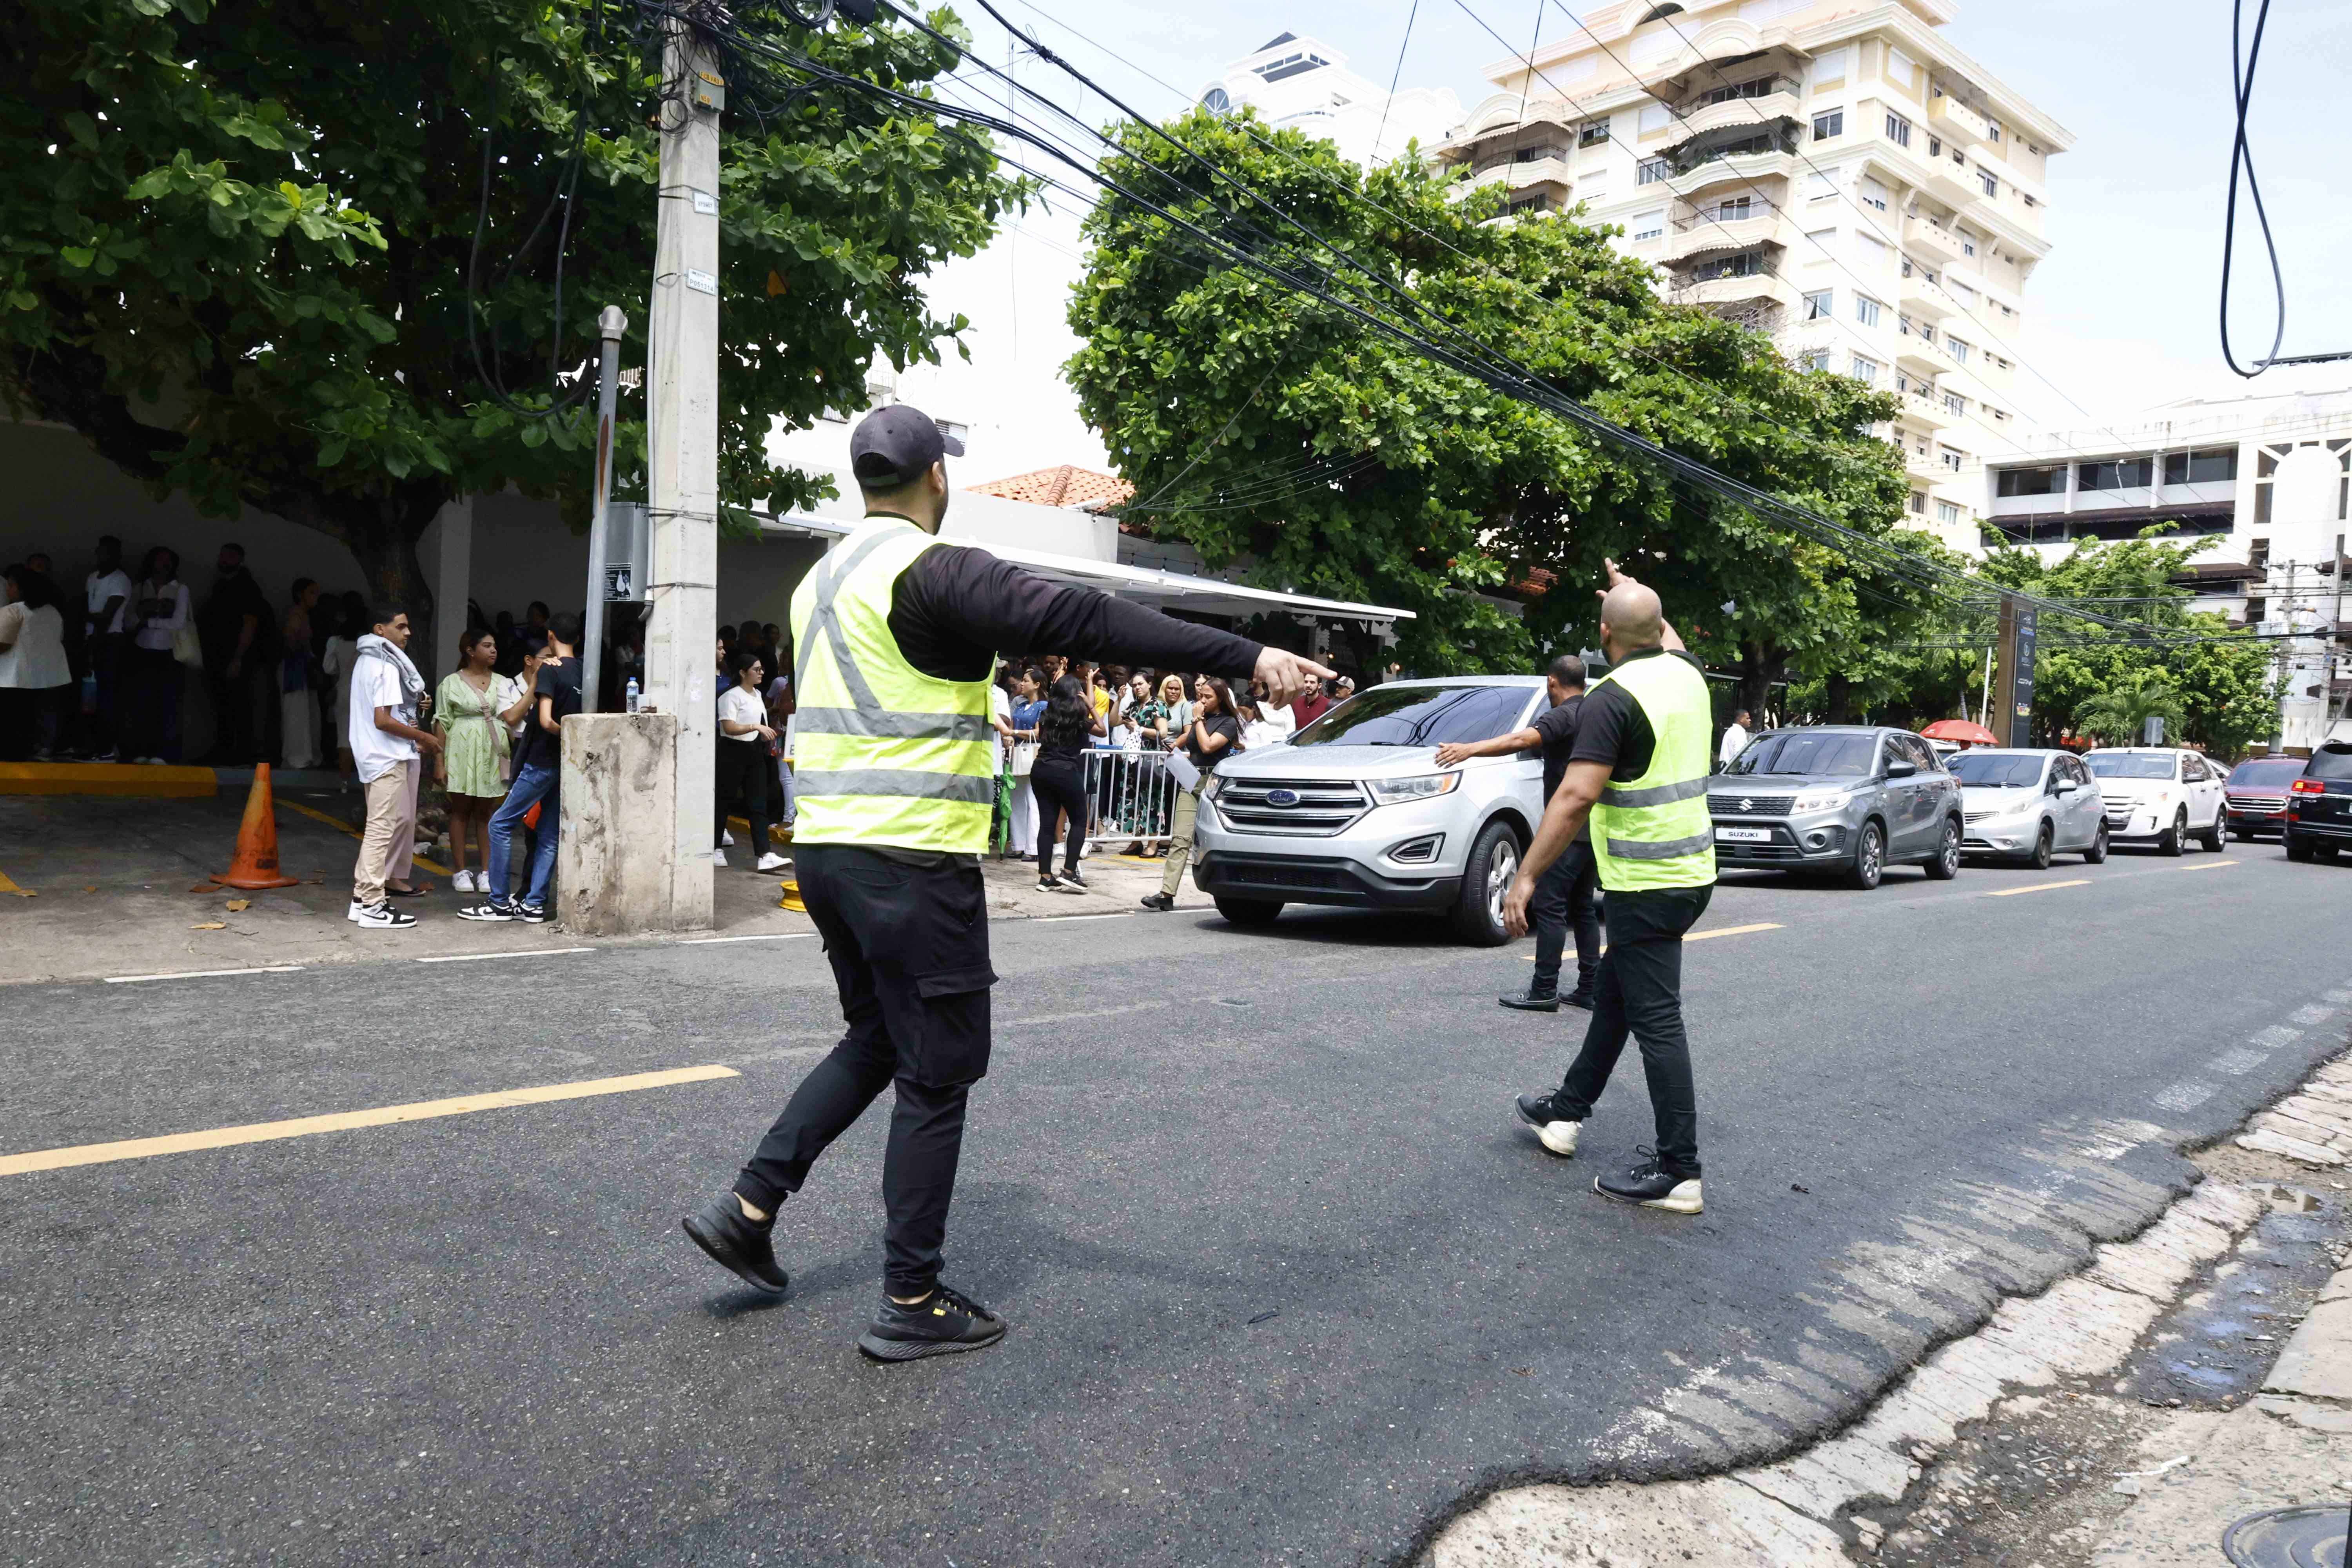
[(1065, 485)]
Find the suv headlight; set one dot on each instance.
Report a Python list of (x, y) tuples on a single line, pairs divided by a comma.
[(1821, 800), (1421, 786), (1212, 787)]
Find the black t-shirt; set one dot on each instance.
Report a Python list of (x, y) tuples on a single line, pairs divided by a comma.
[(1223, 724), (560, 684), (1612, 729), (1558, 726), (222, 618)]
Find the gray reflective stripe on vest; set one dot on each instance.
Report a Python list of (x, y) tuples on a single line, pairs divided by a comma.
[(962, 788), (891, 726), (1656, 795), (824, 621), (1666, 849)]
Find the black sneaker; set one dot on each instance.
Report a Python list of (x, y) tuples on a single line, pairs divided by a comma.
[(1160, 903), (1074, 877), (1049, 884), (1543, 999), (488, 909), (1537, 1113), (532, 914), (942, 1323), (1653, 1186), (735, 1241)]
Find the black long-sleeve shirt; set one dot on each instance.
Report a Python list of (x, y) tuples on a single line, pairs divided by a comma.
[(957, 607)]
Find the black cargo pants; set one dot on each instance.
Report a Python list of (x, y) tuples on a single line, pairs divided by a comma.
[(1640, 991), (908, 943)]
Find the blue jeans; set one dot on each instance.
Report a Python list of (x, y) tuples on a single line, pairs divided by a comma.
[(536, 782)]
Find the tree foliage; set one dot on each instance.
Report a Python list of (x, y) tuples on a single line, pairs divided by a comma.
[(1259, 423), (235, 238)]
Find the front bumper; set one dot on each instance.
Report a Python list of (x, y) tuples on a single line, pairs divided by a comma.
[(1354, 868), (2001, 835), (1800, 841), (2141, 823), (2257, 822), (1319, 879)]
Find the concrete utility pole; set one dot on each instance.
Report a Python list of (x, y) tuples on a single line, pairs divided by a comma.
[(611, 323), (682, 479)]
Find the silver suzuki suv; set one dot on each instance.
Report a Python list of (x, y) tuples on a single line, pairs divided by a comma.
[(1353, 810), (1832, 798)]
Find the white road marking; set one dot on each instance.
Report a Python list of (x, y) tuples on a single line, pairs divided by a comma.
[(520, 953), (2339, 996), (2311, 1017), (1051, 920), (772, 936), (2185, 1095), (204, 973), (2276, 1036), (2236, 1063)]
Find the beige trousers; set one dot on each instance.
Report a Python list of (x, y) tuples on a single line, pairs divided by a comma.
[(1180, 840), (390, 841)]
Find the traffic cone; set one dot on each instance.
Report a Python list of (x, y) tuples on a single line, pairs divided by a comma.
[(255, 863)]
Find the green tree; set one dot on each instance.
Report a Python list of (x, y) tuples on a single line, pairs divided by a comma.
[(2119, 715), (235, 239), (1259, 423)]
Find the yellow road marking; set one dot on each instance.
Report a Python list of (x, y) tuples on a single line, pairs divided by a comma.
[(6, 886), (1702, 936), (2200, 865), (2038, 887), (303, 1126), (340, 825)]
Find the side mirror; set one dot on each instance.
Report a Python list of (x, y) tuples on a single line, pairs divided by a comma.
[(1899, 769), (2068, 786)]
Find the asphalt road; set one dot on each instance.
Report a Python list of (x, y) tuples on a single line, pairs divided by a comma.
[(1285, 1287)]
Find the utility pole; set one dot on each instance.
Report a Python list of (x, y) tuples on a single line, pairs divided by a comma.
[(611, 323), (682, 470), (2012, 710)]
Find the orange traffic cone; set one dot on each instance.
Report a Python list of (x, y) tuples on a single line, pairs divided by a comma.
[(256, 864)]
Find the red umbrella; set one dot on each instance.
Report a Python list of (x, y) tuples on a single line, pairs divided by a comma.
[(1967, 732)]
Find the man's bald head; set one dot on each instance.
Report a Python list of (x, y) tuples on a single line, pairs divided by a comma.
[(1632, 617)]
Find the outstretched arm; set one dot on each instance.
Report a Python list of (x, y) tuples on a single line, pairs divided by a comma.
[(1454, 751)]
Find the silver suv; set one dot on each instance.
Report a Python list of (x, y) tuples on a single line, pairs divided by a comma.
[(1354, 811), (1841, 798)]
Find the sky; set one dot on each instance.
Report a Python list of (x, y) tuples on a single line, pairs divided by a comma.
[(2121, 317)]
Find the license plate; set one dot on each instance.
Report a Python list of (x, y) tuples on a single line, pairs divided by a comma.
[(1743, 836)]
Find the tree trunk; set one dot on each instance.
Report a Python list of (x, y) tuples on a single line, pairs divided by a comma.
[(1759, 667), (1840, 698)]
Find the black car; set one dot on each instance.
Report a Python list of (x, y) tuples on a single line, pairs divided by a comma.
[(2319, 804), (2257, 791)]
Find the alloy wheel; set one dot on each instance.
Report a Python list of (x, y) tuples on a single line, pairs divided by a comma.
[(1502, 865)]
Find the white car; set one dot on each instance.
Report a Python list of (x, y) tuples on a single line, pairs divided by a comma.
[(2026, 805), (2161, 796)]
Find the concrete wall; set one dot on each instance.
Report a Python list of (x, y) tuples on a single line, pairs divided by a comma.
[(619, 774)]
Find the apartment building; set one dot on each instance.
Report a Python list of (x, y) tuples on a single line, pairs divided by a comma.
[(1836, 173), (1304, 84)]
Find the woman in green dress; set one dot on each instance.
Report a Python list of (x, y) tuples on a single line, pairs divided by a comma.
[(474, 745)]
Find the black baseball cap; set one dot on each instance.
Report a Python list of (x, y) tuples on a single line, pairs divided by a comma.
[(897, 445)]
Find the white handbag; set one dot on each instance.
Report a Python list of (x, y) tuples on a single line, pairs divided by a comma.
[(1024, 758)]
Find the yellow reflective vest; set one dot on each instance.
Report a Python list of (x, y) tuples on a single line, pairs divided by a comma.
[(884, 753), (1654, 831)]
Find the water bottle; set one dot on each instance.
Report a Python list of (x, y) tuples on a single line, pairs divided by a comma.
[(633, 694)]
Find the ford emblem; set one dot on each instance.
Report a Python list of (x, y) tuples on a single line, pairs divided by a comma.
[(1282, 797)]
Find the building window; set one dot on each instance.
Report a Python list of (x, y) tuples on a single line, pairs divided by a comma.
[(1968, 243), (1957, 403), (2217, 464), (1948, 511), (1866, 310), (1820, 187), (1874, 194), (1992, 130), (2130, 474), (1535, 204), (2029, 201), (1761, 88), (1747, 264), (1731, 210), (1864, 371), (1537, 154), (1595, 133), (1650, 170), (1650, 224), (1818, 359), (1919, 502), (1960, 347), (1827, 127), (1952, 459), (1991, 187), (1898, 129), (2032, 481), (1935, 143), (1821, 306)]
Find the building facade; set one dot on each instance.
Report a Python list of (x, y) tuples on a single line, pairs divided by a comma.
[(1834, 172), (1302, 84)]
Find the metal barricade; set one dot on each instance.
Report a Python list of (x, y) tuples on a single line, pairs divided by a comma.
[(1134, 797)]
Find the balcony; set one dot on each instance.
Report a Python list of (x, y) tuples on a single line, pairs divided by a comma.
[(1924, 467), (1757, 114), (1737, 282), (1951, 184), (1958, 123), (1742, 149), (1722, 225), (1935, 244), (1922, 409), (1923, 359), (1924, 300)]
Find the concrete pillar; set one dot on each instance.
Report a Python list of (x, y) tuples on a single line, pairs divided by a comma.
[(620, 778), (453, 583)]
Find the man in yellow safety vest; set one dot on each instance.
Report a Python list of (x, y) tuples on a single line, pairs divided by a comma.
[(1638, 772), (897, 635)]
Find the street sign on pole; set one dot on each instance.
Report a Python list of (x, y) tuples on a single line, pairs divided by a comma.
[(2012, 684), (611, 323)]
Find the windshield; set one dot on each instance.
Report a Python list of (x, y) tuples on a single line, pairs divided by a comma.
[(1808, 751), (2128, 766), (1418, 715), (2331, 762), (2276, 772), (1990, 770)]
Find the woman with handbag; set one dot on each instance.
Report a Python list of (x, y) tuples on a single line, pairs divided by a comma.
[(162, 644), (1028, 711), (744, 737), (1212, 736), (471, 766)]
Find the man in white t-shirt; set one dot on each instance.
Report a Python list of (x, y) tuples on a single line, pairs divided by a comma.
[(1735, 741), (104, 593), (385, 743)]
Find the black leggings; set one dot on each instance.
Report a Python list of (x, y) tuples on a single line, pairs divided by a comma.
[(743, 766), (1059, 785)]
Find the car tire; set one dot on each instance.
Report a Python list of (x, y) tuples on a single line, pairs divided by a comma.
[(2211, 838), (1869, 864), (2243, 834), (2326, 850), (2044, 844), (1249, 911), (2096, 853), (1486, 875), (1946, 862), (2296, 848), (2174, 840)]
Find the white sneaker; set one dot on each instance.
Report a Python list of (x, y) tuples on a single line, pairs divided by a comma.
[(383, 916), (461, 881), (718, 856), (771, 861), (726, 839), (352, 914)]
